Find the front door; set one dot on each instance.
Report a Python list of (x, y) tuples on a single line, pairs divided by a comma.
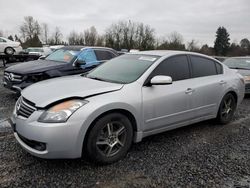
[(166, 105)]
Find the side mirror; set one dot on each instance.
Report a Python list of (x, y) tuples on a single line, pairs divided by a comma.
[(79, 62), (161, 80), (42, 57)]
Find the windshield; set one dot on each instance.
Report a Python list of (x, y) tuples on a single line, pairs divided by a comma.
[(123, 69), (238, 63), (63, 55)]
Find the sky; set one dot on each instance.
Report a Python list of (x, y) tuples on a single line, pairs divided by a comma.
[(193, 19)]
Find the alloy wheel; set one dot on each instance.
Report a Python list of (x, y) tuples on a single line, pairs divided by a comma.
[(111, 138), (228, 107)]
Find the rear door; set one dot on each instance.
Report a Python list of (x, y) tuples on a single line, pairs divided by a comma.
[(207, 86), (165, 105)]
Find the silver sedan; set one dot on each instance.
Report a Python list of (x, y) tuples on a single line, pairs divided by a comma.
[(100, 114)]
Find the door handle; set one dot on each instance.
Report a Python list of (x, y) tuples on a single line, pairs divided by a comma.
[(189, 91), (222, 82)]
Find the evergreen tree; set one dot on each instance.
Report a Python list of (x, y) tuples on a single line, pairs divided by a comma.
[(32, 42), (221, 44), (10, 38)]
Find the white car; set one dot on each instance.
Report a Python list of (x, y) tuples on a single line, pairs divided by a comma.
[(9, 47), (43, 51)]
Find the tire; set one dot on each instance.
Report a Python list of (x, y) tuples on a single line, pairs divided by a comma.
[(9, 51), (110, 139), (226, 109)]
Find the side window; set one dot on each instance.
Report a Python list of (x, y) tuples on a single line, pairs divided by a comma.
[(103, 55), (219, 68), (177, 67), (202, 66), (88, 56)]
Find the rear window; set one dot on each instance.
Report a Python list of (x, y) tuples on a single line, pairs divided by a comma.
[(203, 67), (104, 55)]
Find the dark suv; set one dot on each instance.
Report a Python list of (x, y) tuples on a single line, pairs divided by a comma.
[(65, 61)]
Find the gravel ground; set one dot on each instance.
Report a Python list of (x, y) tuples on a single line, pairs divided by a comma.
[(200, 155)]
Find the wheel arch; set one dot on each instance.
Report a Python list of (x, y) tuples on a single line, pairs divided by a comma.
[(125, 112), (234, 94), (231, 91)]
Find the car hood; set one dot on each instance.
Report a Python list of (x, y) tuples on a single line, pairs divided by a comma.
[(49, 91), (34, 67)]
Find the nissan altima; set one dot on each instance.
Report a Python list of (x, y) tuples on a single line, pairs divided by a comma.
[(100, 114)]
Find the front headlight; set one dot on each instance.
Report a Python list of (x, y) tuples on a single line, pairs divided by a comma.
[(61, 112), (247, 78)]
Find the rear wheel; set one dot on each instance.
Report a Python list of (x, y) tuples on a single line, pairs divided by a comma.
[(110, 138), (227, 109), (9, 51)]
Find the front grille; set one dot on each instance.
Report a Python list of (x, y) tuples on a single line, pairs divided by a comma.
[(13, 77), (24, 108)]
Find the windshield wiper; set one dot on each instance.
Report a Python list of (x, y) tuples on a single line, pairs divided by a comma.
[(101, 79), (239, 68), (96, 78)]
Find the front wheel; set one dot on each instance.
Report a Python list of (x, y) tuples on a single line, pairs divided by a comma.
[(110, 138), (9, 51), (227, 109)]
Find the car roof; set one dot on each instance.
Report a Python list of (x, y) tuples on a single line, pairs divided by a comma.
[(165, 53), (79, 48), (74, 48)]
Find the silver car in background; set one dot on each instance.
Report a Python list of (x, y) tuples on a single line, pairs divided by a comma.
[(242, 66), (122, 101)]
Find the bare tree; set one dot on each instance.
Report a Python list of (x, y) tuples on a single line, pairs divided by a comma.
[(114, 36), (193, 46), (57, 36), (205, 49), (173, 42), (245, 44), (90, 36), (100, 40), (76, 39), (130, 35), (175, 38), (45, 31), (30, 28)]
